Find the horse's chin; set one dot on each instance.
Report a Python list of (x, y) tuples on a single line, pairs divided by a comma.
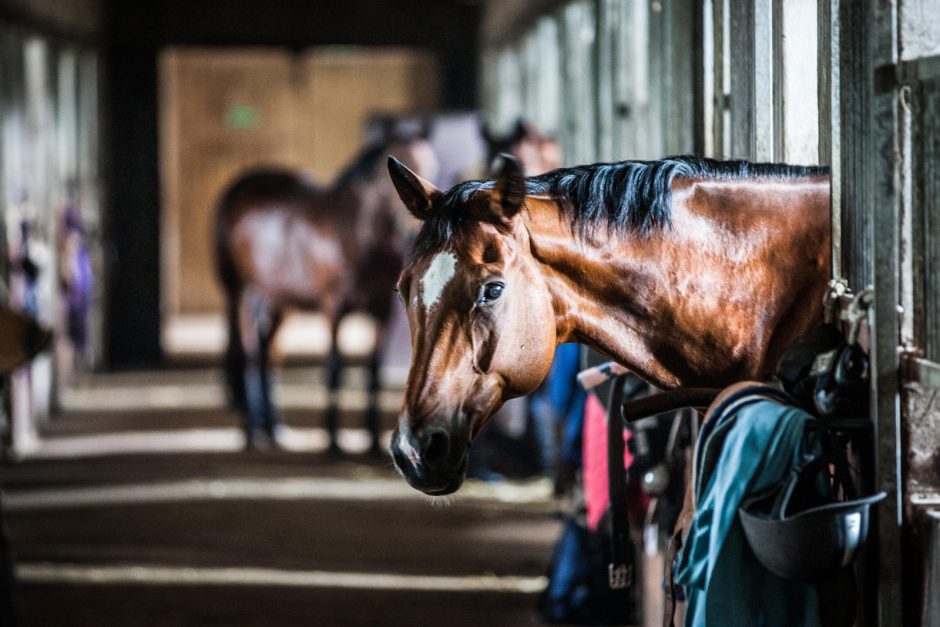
[(454, 484)]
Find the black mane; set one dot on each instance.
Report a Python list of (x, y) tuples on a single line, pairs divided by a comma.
[(624, 197)]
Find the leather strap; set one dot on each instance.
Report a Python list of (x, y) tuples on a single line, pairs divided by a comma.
[(619, 569), (669, 594)]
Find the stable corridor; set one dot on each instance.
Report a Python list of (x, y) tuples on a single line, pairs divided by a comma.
[(137, 507)]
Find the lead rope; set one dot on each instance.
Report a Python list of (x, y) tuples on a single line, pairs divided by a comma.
[(619, 571)]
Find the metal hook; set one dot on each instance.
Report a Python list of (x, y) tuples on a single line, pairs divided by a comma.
[(837, 289), (904, 96), (858, 311)]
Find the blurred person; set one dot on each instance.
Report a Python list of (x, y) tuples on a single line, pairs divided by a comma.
[(75, 277), (21, 339)]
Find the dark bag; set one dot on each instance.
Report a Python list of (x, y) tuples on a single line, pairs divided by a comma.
[(578, 592)]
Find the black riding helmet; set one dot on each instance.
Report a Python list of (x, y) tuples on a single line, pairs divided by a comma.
[(799, 534)]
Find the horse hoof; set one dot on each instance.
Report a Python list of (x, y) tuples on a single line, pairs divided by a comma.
[(263, 443)]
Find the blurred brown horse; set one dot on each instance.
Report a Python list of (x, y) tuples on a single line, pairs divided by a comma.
[(536, 152), (689, 271), (284, 242)]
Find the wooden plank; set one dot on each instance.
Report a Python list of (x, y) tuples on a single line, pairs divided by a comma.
[(880, 182), (752, 80), (830, 138), (854, 115), (926, 139), (764, 80), (679, 92)]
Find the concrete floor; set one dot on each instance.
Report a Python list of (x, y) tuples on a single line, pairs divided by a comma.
[(109, 530)]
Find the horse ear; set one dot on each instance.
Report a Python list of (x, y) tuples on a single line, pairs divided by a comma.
[(487, 133), (425, 126), (415, 192), (509, 186)]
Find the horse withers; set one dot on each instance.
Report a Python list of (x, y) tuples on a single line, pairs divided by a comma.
[(689, 271), (283, 242)]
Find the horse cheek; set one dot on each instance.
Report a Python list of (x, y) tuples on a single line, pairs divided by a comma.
[(484, 340), (527, 340)]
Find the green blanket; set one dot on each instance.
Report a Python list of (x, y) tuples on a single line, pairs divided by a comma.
[(724, 583)]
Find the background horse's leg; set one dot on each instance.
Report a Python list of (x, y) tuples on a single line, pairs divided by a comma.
[(266, 333), (235, 359), (334, 367), (255, 318), (384, 312), (375, 387)]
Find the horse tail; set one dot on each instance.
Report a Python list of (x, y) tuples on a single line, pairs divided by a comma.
[(235, 359), (224, 264)]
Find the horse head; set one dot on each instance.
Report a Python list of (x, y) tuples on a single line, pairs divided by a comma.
[(482, 321)]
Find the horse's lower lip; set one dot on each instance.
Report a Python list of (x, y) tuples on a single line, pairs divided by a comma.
[(454, 484)]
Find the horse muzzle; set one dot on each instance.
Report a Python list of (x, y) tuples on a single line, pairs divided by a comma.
[(432, 460)]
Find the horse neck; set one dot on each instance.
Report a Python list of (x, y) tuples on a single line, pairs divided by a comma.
[(363, 208), (711, 299)]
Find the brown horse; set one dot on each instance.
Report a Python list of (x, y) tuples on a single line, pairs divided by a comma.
[(283, 242), (537, 153), (689, 271)]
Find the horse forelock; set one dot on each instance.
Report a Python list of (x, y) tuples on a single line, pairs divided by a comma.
[(448, 220)]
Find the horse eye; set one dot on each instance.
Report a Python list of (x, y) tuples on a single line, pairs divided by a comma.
[(491, 291)]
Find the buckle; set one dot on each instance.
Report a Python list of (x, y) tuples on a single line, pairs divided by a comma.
[(619, 576)]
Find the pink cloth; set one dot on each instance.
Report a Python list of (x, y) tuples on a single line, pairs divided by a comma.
[(594, 460)]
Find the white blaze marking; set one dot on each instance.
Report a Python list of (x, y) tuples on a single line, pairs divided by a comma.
[(436, 278), (408, 450)]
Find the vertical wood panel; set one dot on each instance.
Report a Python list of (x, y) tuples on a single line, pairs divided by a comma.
[(927, 201), (798, 85), (764, 80), (679, 92), (880, 182), (830, 123), (607, 24), (855, 82), (655, 145), (741, 17)]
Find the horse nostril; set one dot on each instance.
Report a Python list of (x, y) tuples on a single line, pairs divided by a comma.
[(399, 457), (437, 448)]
